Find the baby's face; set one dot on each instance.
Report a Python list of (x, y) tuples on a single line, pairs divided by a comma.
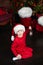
[(20, 33)]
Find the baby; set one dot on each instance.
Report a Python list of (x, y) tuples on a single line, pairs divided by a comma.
[(18, 47)]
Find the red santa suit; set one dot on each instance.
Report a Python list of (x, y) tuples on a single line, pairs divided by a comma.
[(39, 26), (25, 14), (19, 45)]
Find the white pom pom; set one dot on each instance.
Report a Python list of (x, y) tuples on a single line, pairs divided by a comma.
[(30, 28), (25, 12), (12, 38)]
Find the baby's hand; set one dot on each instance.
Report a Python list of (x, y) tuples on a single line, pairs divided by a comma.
[(30, 28), (19, 56), (30, 33)]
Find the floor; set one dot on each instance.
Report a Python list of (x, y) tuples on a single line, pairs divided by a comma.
[(36, 42)]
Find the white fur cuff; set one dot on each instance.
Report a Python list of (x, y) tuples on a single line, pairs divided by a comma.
[(14, 58)]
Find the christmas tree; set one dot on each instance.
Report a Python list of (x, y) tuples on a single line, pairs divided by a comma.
[(37, 5)]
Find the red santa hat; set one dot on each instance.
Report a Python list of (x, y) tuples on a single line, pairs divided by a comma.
[(16, 29), (25, 12), (40, 20), (19, 27), (39, 26)]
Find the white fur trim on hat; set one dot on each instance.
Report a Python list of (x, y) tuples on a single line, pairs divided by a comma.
[(25, 12), (19, 27), (40, 20)]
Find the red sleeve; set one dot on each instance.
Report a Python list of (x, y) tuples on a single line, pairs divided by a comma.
[(27, 31), (13, 48)]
